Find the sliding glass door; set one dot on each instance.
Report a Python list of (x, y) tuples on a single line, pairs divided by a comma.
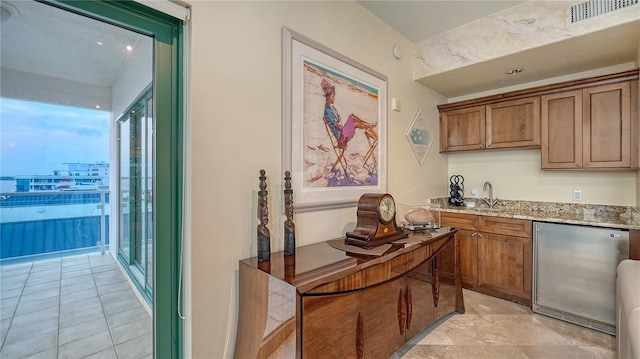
[(150, 149), (135, 165)]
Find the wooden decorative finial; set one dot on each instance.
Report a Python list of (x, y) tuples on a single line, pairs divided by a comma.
[(289, 226), (264, 238)]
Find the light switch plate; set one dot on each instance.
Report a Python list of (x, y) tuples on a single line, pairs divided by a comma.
[(395, 104)]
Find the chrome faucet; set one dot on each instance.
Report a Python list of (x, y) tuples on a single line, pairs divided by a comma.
[(490, 201)]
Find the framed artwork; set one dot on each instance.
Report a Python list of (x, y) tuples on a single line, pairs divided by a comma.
[(419, 137), (334, 125)]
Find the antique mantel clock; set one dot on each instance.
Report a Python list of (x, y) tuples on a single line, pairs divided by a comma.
[(376, 223)]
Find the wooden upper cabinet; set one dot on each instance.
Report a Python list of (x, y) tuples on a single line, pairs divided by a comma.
[(587, 123), (607, 126), (562, 130), (463, 129), (595, 127), (513, 123), (506, 124)]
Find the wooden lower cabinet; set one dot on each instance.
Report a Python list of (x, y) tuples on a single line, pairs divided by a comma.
[(504, 264), (495, 254), (325, 303)]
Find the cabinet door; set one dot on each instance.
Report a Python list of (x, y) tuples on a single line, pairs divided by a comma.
[(561, 130), (370, 323), (607, 126), (512, 124), (420, 289), (466, 237), (468, 256), (462, 130), (333, 326), (444, 286), (385, 311), (504, 264)]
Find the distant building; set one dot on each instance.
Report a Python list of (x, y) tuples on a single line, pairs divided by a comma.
[(76, 176)]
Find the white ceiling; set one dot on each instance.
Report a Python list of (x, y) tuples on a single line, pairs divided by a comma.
[(419, 20), (33, 30)]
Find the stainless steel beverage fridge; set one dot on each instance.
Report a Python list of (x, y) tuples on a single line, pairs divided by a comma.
[(574, 273)]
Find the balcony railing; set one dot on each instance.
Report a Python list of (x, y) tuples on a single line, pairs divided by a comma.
[(36, 224)]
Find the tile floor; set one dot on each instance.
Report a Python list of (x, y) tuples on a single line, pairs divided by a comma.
[(494, 328), (71, 307), (83, 307)]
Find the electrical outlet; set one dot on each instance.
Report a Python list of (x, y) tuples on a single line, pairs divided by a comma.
[(577, 195), (474, 193)]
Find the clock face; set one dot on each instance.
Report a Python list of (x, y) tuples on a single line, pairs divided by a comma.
[(387, 209)]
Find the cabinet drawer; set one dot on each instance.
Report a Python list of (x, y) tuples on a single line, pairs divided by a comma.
[(348, 283), (460, 221), (506, 226)]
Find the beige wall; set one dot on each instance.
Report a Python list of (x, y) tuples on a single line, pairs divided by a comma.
[(236, 111), (638, 114), (516, 175)]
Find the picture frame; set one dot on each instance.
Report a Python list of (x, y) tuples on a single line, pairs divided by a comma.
[(334, 125)]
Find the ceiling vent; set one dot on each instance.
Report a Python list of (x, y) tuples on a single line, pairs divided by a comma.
[(593, 8)]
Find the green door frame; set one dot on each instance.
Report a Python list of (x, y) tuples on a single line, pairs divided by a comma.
[(168, 94)]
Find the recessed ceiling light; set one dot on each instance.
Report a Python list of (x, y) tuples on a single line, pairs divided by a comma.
[(129, 48), (99, 43), (514, 71), (97, 107)]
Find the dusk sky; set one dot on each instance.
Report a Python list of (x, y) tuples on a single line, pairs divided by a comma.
[(37, 138)]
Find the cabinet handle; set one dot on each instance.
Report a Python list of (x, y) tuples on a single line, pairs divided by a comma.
[(360, 337), (407, 296), (481, 146), (435, 282), (401, 313)]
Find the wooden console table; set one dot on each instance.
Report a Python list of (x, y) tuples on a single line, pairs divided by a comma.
[(327, 303)]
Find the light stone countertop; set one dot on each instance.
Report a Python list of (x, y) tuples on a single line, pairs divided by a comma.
[(623, 217)]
